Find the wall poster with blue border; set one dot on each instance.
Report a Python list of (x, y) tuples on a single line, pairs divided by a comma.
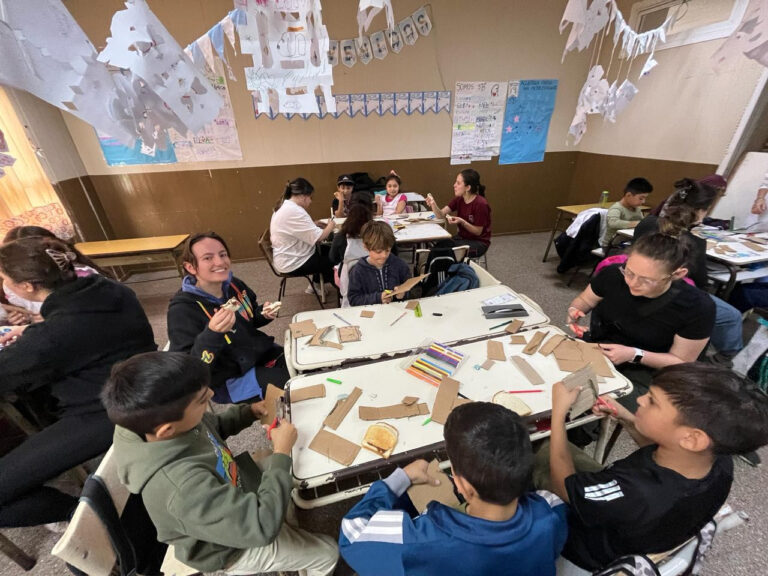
[(530, 104)]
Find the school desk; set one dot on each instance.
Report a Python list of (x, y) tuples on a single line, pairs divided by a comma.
[(448, 318), (386, 383), (110, 253)]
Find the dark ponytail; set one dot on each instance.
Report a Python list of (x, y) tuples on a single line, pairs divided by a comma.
[(671, 248), (472, 179), (695, 194), (44, 262), (297, 187)]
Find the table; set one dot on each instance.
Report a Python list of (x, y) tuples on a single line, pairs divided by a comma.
[(461, 320), (385, 383), (416, 231), (109, 253)]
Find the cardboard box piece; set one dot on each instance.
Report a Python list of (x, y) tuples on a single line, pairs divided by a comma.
[(514, 326), (392, 412), (423, 494), (316, 391), (341, 409), (334, 447), (518, 339), (350, 334), (273, 393), (303, 328), (367, 313), (495, 351), (573, 355), (587, 379), (535, 342), (527, 370)]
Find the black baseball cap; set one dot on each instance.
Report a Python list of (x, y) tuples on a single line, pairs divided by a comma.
[(345, 179)]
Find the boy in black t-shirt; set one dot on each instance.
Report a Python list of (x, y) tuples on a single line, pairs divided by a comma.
[(692, 418)]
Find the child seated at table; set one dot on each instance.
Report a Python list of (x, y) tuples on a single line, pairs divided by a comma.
[(372, 279), (392, 202), (502, 529), (692, 419), (220, 512), (626, 212)]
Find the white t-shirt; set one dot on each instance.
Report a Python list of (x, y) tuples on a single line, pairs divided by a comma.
[(293, 235), (388, 208)]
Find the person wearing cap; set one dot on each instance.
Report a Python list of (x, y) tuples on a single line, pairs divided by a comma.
[(344, 187)]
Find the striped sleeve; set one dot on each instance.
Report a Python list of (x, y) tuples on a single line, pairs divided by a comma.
[(602, 498)]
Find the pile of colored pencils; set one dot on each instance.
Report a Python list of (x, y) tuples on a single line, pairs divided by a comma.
[(437, 362)]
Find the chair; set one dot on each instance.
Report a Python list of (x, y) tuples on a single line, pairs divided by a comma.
[(422, 255), (481, 260), (265, 244), (86, 544)]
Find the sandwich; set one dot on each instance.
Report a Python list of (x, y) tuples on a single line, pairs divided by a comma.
[(273, 307), (231, 304), (381, 439), (511, 402)]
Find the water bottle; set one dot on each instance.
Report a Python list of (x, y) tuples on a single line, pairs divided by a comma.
[(604, 199)]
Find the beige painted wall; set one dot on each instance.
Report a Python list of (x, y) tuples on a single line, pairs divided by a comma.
[(683, 111)]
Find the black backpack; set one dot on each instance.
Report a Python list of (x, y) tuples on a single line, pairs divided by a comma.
[(439, 262)]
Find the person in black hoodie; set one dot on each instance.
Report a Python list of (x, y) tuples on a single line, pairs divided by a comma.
[(89, 324), (372, 279), (242, 359)]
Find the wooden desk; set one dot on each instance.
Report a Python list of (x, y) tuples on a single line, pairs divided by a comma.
[(386, 383), (109, 253)]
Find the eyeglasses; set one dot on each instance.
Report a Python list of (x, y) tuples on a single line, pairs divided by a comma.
[(641, 280)]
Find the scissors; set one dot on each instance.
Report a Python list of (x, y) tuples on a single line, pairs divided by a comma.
[(281, 413)]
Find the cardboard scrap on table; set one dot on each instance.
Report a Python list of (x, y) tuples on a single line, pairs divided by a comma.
[(303, 328), (723, 249), (495, 351), (408, 284), (527, 370), (753, 246), (514, 326), (394, 411), (446, 400), (350, 334), (316, 391), (711, 244), (487, 365), (341, 409), (517, 339), (367, 313), (550, 345), (573, 355), (534, 344), (334, 447), (319, 339), (412, 304), (408, 400), (587, 380), (423, 494), (273, 393)]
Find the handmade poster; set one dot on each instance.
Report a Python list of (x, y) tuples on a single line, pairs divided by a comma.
[(348, 53), (117, 154), (408, 31), (477, 120), (363, 47), (379, 45), (333, 53), (422, 21), (395, 40), (529, 108)]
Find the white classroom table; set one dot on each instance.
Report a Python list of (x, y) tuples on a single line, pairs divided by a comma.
[(385, 383), (462, 319), (405, 218)]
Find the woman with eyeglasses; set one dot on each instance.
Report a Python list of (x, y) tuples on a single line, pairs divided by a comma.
[(644, 316)]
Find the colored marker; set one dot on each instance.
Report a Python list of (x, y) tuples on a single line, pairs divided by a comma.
[(422, 376), (333, 380), (523, 391), (500, 325), (427, 421), (342, 319)]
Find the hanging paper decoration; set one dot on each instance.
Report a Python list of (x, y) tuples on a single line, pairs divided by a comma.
[(289, 45), (377, 103), (589, 20), (5, 159), (367, 10), (750, 37)]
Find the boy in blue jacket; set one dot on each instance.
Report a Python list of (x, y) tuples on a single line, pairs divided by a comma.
[(372, 279), (502, 528)]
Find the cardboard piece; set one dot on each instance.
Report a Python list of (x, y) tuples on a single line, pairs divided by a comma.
[(568, 350), (408, 400), (334, 447), (423, 494), (534, 344), (596, 358), (753, 246), (319, 339), (572, 355), (496, 351), (447, 393), (316, 391), (303, 328), (587, 379), (341, 409), (350, 334), (514, 326), (487, 365), (408, 284), (273, 393), (411, 304), (527, 370), (517, 339), (391, 412), (367, 313), (550, 345)]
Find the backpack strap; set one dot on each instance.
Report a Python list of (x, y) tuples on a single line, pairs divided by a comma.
[(96, 495)]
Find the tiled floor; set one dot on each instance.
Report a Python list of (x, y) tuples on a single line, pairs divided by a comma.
[(516, 261)]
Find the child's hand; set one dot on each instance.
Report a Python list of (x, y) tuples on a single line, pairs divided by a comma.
[(12, 334), (284, 437), (562, 400), (607, 405), (18, 318), (339, 196), (417, 472), (259, 409), (267, 313), (222, 321), (386, 297)]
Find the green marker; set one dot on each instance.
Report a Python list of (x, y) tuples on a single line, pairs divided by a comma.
[(427, 421), (333, 381)]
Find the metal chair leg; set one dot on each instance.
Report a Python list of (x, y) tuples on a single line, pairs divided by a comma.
[(16, 554)]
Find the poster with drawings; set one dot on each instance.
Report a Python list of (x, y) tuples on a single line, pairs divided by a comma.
[(526, 122), (478, 117)]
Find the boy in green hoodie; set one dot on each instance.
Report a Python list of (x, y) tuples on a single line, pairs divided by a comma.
[(218, 511)]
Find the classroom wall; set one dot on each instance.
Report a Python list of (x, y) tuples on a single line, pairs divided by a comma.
[(491, 40)]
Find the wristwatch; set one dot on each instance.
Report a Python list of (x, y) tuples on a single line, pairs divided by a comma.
[(638, 356)]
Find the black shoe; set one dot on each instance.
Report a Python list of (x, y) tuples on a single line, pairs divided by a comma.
[(751, 458)]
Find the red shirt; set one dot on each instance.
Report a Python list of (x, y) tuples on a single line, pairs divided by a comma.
[(477, 213)]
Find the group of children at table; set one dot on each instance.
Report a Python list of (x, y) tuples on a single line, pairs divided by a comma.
[(225, 512)]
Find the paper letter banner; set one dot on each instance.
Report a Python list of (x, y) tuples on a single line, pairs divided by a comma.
[(530, 104), (478, 116)]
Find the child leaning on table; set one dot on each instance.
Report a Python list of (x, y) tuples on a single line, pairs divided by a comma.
[(372, 278), (218, 511), (693, 418), (503, 529)]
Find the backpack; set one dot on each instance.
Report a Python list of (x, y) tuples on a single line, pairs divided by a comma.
[(460, 277), (438, 263)]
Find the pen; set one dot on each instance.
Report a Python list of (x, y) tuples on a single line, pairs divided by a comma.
[(523, 391), (398, 318), (342, 319), (500, 325)]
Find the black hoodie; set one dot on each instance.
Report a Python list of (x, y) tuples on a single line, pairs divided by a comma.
[(90, 324)]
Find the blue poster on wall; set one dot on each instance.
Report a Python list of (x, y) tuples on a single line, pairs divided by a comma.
[(526, 120), (118, 155)]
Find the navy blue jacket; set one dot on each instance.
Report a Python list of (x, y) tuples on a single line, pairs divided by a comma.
[(366, 282)]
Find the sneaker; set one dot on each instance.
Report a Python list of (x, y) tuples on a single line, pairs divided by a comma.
[(311, 292), (751, 458)]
